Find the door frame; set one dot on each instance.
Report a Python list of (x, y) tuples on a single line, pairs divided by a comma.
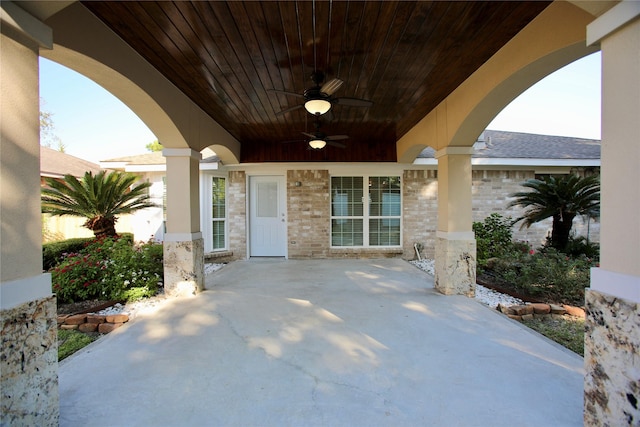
[(283, 202)]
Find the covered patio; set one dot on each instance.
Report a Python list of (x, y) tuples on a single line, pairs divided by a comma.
[(202, 74), (274, 342)]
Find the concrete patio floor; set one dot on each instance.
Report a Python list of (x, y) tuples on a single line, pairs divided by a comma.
[(322, 343)]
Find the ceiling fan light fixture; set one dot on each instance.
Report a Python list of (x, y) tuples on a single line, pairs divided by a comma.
[(317, 144), (317, 107)]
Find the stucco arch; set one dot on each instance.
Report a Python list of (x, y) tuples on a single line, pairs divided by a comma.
[(554, 39), (84, 44)]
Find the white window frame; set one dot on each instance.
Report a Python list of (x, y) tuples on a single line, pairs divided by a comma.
[(365, 211), (206, 211)]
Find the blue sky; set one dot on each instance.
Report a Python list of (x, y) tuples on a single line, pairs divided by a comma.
[(94, 125)]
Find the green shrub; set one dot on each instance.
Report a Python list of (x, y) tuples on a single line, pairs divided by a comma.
[(54, 252), (493, 237), (579, 246), (109, 269), (547, 274)]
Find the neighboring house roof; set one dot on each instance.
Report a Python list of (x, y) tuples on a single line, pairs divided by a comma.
[(493, 147), (154, 161), (154, 158), (56, 164), (515, 148)]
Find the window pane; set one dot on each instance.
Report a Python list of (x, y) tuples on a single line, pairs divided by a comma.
[(218, 197), (384, 232), (218, 213), (164, 199), (218, 235), (384, 193), (347, 232), (266, 199), (346, 196)]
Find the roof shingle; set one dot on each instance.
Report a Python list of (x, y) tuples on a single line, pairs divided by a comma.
[(56, 164), (516, 145)]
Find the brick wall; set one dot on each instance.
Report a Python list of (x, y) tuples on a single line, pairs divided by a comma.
[(308, 213), (420, 212), (491, 191), (237, 213), (308, 207)]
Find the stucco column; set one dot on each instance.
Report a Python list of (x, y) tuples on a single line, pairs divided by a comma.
[(455, 260), (29, 357), (183, 242), (612, 340)]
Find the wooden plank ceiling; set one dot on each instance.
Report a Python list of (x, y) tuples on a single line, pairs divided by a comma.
[(229, 56)]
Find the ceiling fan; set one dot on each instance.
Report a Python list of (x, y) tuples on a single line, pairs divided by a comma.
[(319, 99), (318, 140)]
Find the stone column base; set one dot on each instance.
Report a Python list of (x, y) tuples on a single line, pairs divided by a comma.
[(183, 267), (455, 266), (611, 361), (29, 373)]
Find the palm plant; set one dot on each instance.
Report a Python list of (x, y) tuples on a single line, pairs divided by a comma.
[(100, 198), (561, 199)]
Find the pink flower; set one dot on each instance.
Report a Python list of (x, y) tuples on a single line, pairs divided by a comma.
[(531, 252)]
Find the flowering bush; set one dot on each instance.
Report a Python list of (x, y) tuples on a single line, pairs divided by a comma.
[(78, 277), (109, 269)]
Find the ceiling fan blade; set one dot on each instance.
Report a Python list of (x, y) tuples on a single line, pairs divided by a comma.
[(336, 144), (331, 86), (284, 92), (336, 138), (293, 140), (310, 135), (353, 102), (288, 110)]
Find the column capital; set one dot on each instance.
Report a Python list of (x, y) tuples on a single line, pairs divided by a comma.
[(448, 151), (181, 152), (182, 237), (456, 235), (616, 17), (27, 25)]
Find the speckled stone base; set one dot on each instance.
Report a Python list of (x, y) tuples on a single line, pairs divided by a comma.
[(455, 267), (184, 267), (612, 362), (29, 358)]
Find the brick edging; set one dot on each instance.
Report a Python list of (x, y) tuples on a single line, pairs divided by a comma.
[(539, 310), (92, 322)]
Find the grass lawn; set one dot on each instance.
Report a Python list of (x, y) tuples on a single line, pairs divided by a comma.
[(567, 331), (70, 341)]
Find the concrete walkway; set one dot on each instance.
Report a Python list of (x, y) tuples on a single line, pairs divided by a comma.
[(322, 343)]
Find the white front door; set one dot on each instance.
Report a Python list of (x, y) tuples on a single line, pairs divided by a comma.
[(267, 216)]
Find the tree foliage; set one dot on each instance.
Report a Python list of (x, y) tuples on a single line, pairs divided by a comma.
[(48, 137), (561, 198), (154, 146), (100, 198)]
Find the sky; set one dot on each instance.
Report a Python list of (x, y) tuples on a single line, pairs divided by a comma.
[(94, 125)]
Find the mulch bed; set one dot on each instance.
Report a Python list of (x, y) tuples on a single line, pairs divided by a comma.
[(489, 281), (81, 307)]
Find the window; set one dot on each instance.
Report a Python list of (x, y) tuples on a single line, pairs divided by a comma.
[(218, 213), (373, 220)]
